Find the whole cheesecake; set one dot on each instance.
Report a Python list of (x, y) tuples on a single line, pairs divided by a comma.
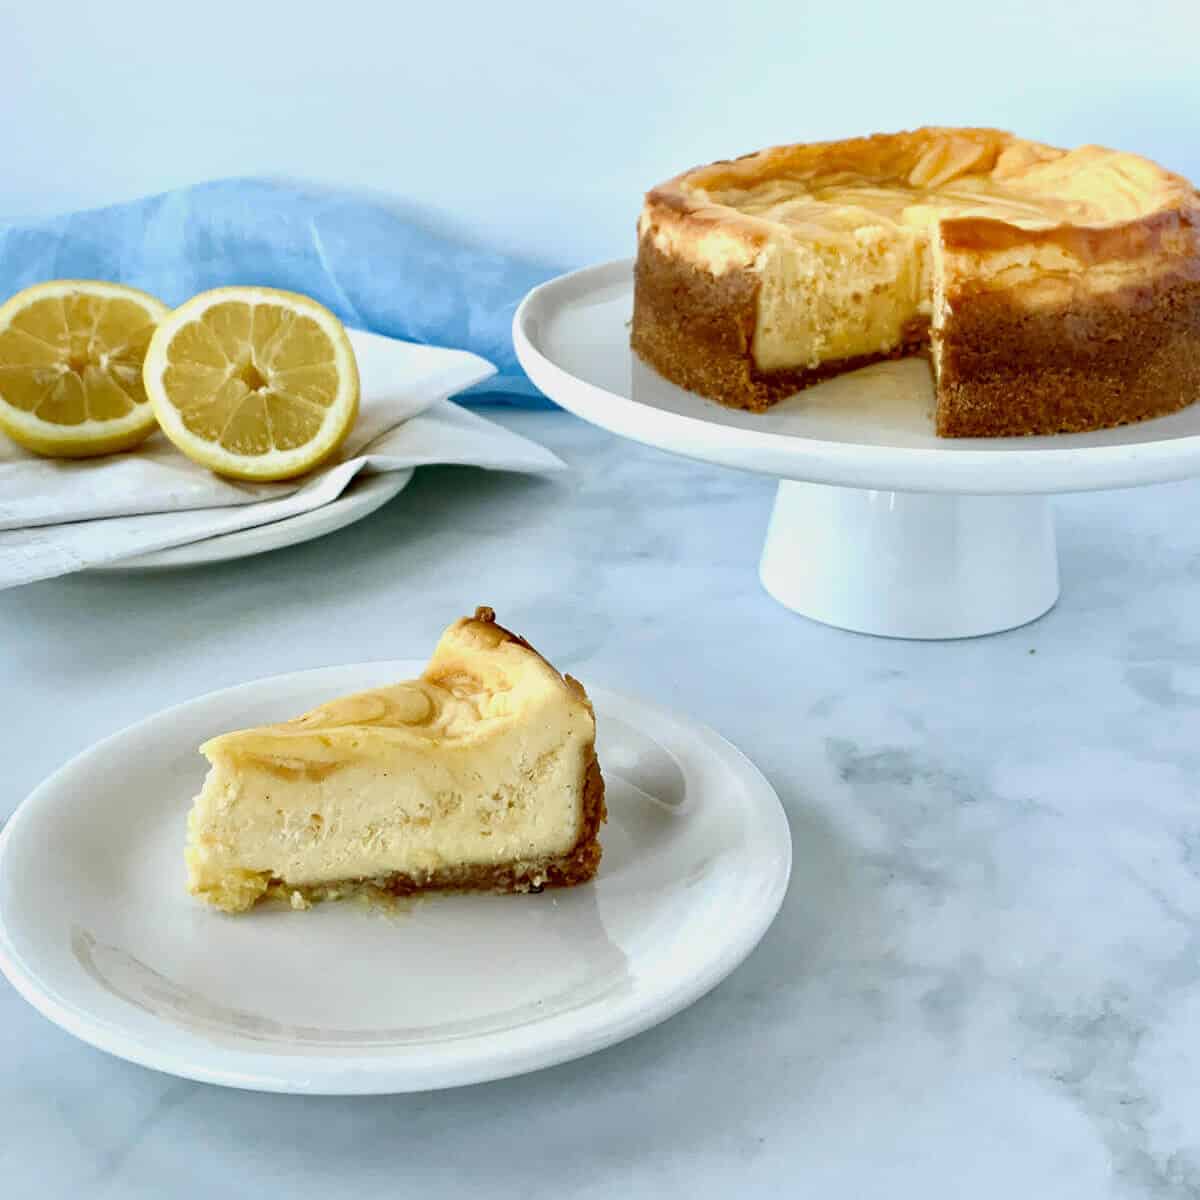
[(1056, 291), (479, 775)]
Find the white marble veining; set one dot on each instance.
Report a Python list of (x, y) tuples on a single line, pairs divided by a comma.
[(985, 980)]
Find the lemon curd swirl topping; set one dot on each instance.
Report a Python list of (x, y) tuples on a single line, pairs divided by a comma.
[(353, 726), (1028, 185)]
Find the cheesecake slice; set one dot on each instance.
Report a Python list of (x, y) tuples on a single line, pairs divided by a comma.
[(480, 775), (1055, 291)]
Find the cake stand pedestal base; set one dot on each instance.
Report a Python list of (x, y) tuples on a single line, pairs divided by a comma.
[(909, 564)]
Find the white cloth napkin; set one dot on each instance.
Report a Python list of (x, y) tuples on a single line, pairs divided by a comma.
[(58, 515)]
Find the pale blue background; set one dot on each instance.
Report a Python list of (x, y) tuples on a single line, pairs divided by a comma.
[(534, 127)]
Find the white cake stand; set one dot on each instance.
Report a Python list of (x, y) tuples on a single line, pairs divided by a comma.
[(879, 526)]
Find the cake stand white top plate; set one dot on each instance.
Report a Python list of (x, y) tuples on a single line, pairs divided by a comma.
[(97, 931), (871, 428)]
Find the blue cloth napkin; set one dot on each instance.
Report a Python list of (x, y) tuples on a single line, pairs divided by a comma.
[(378, 270)]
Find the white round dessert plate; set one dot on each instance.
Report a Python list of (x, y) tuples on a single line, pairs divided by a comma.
[(362, 497), (871, 428), (98, 933)]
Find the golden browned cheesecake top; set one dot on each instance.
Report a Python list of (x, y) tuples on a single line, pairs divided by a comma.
[(978, 183), (481, 675)]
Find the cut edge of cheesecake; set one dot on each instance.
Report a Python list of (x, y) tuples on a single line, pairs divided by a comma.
[(1055, 327), (308, 751)]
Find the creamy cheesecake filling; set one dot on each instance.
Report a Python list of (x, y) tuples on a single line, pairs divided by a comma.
[(849, 268), (819, 302), (375, 811)]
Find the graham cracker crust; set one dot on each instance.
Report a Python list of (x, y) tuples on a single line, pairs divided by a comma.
[(1009, 371)]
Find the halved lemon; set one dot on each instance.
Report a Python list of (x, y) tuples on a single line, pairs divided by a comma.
[(71, 367), (253, 382)]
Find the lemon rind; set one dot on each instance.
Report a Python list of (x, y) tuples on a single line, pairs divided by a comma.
[(90, 438), (276, 464)]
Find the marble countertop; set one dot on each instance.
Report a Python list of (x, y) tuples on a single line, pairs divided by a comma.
[(985, 980)]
